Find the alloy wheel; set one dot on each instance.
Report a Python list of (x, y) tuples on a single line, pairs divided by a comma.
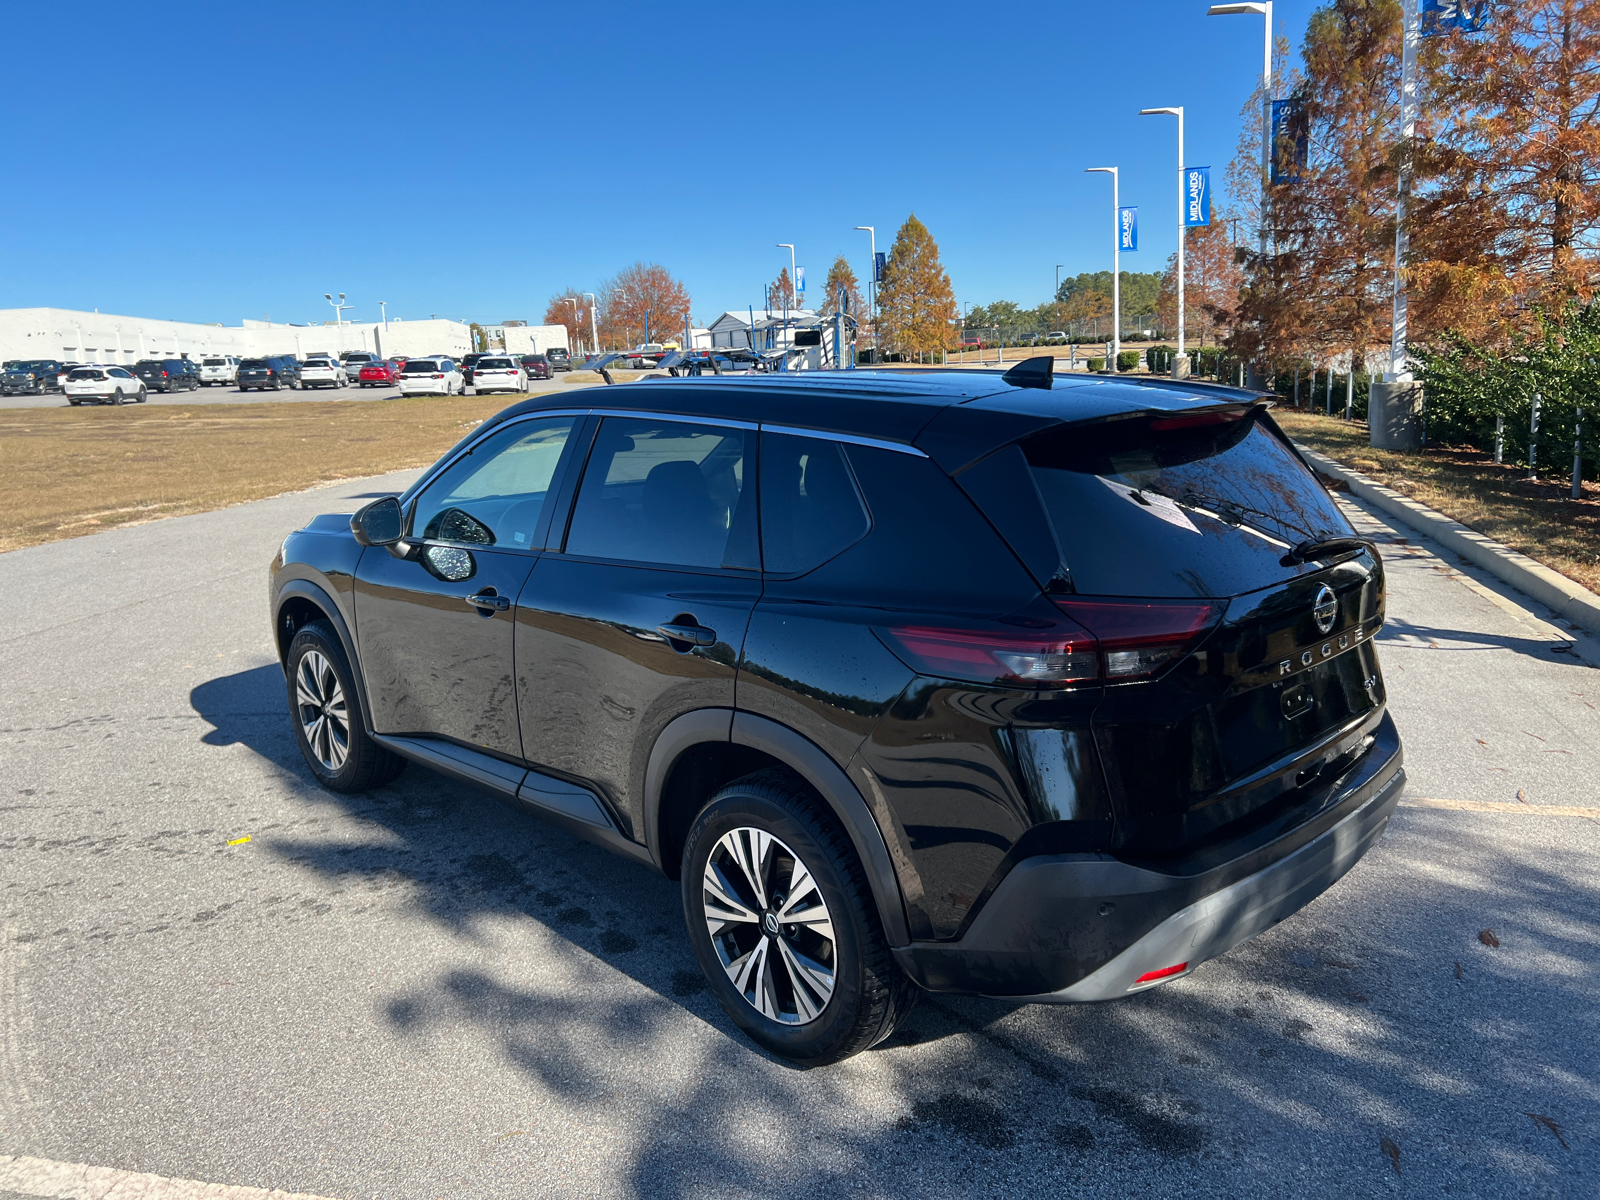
[(320, 707), (770, 926)]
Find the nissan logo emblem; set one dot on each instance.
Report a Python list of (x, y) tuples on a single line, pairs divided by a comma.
[(1326, 609)]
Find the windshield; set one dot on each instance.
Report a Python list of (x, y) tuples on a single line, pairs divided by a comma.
[(27, 366), (1197, 504)]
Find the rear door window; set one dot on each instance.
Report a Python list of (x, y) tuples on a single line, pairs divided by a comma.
[(665, 492), (811, 508), (1183, 505)]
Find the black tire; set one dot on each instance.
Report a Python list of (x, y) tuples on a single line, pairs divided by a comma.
[(364, 764), (74, 401), (143, 395), (118, 399), (870, 994)]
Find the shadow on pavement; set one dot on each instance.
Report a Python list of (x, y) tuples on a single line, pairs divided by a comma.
[(1276, 1069)]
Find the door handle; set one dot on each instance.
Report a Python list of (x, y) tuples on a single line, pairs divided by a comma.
[(489, 600), (695, 635)]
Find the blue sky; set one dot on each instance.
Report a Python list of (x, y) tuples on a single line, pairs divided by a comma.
[(210, 162)]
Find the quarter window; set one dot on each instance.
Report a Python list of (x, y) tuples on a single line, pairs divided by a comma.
[(495, 494), (810, 506), (665, 492)]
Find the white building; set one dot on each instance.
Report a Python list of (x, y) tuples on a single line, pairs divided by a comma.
[(527, 339), (59, 333), (773, 328)]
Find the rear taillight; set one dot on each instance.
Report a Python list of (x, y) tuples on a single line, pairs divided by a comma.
[(440, 375), (1057, 655), (1107, 639), (163, 374), (1139, 637), (1163, 973)]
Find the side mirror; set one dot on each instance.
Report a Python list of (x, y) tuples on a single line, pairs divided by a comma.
[(379, 523)]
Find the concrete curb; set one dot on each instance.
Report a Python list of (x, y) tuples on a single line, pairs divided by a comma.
[(1568, 600)]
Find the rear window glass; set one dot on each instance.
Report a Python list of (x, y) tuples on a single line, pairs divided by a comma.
[(494, 364), (1183, 505), (81, 375), (214, 362), (421, 365), (253, 362), (810, 506)]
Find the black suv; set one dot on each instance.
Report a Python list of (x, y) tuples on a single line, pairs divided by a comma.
[(166, 374), (560, 360), (263, 373), (978, 683)]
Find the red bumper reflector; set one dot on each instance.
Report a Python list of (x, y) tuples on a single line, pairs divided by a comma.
[(1152, 976)]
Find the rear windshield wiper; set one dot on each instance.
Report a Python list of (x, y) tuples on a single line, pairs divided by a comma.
[(1320, 548)]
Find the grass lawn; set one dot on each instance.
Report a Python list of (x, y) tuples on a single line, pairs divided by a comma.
[(1538, 518), (65, 472)]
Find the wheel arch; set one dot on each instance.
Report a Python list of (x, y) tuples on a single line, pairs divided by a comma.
[(703, 751), (299, 602)]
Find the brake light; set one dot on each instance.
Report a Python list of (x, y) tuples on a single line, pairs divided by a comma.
[(440, 375), (1163, 973), (1139, 637), (163, 375), (1061, 654)]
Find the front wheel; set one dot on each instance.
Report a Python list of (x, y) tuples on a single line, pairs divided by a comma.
[(326, 709), (784, 925), (143, 395)]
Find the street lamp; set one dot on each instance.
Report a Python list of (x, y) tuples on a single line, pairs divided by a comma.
[(1180, 364), (577, 312), (872, 272), (338, 315), (594, 326), (1116, 267), (1265, 10), (383, 307)]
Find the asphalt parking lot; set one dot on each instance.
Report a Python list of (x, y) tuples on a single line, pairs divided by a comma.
[(420, 992), (232, 395)]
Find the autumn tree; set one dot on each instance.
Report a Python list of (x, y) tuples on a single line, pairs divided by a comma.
[(643, 302), (569, 309), (781, 294), (840, 275), (1211, 279), (1508, 206), (916, 305)]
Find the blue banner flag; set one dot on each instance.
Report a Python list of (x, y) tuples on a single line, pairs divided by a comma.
[(877, 267), (1128, 228), (1291, 141), (1197, 195), (799, 279), (1441, 16)]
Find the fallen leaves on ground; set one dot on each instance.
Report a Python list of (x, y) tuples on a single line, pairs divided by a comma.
[(1552, 1125), (1458, 970), (1392, 1150), (1487, 937)]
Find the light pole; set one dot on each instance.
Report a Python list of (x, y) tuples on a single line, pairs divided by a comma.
[(1116, 268), (383, 307), (790, 292), (1265, 10), (1180, 364), (872, 276), (1397, 372), (338, 316), (594, 325), (577, 313)]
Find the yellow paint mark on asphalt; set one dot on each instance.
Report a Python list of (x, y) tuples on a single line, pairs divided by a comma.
[(240, 841), (1504, 806)]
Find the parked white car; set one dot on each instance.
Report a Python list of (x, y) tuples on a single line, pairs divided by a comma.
[(223, 369), (103, 385), (431, 377), (497, 373), (321, 371)]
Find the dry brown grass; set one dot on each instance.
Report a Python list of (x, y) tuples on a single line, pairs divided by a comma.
[(65, 472), (1538, 518)]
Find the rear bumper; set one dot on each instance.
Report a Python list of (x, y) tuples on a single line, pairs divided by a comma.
[(1067, 929)]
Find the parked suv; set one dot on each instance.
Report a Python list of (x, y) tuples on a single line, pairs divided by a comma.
[(219, 369), (560, 360), (264, 373), (32, 377), (966, 682), (166, 374)]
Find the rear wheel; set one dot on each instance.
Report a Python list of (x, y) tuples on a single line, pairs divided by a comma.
[(143, 395), (328, 721), (74, 401), (784, 925), (118, 399)]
